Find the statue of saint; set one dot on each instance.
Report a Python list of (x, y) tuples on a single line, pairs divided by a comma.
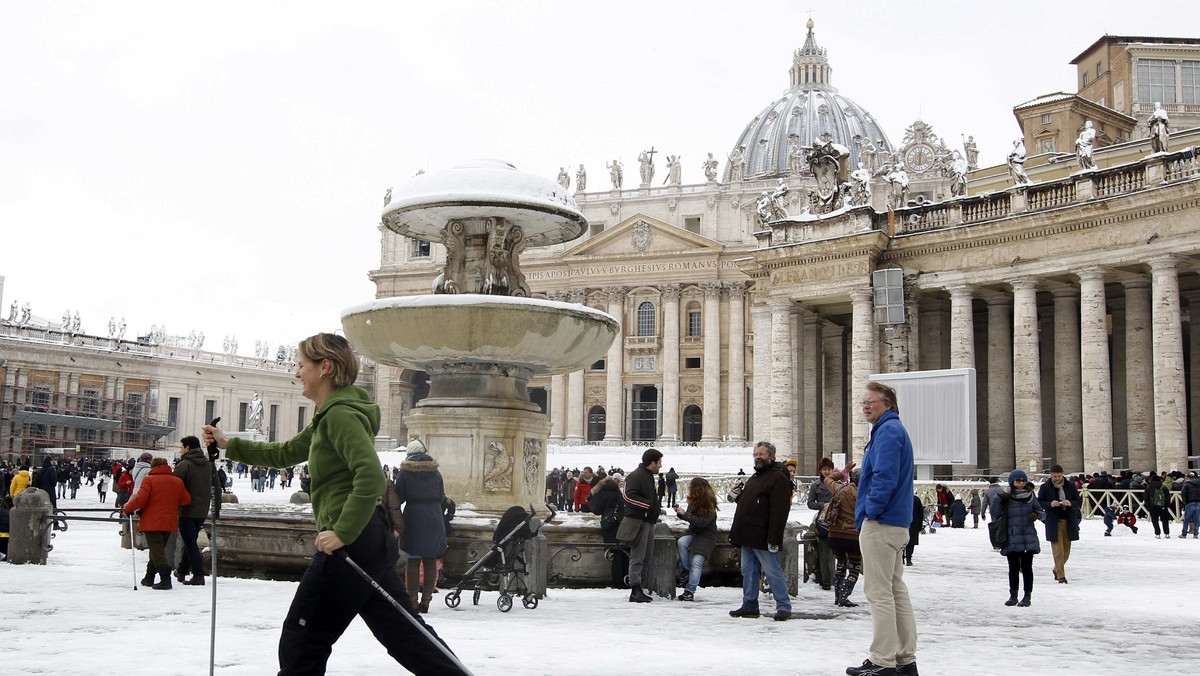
[(795, 157), (957, 168), (860, 191), (112, 326), (737, 164), (564, 179), (387, 197), (1084, 145), (616, 173), (674, 170), (646, 160), (710, 168), (1159, 133), (75, 325), (972, 152), (200, 340), (254, 414), (26, 314), (12, 312), (867, 152), (66, 320), (121, 329), (580, 179), (1016, 163), (233, 345)]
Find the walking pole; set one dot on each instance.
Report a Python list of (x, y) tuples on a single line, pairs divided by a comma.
[(214, 455), (345, 556), (132, 558)]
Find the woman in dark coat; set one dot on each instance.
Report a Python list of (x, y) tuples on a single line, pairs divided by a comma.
[(696, 546), (914, 529), (1022, 510), (606, 500), (421, 490)]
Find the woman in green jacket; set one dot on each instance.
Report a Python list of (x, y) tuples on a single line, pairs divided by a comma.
[(347, 486)]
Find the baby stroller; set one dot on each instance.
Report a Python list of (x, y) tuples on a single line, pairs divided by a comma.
[(503, 567)]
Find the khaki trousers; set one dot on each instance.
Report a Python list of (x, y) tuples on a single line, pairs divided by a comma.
[(1062, 549), (894, 636)]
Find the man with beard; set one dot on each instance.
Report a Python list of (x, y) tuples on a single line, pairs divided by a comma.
[(763, 504), (1061, 500)]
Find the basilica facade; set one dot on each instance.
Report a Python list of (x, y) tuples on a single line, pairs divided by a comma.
[(1070, 297)]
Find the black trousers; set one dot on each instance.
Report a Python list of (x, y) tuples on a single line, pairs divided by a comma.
[(1020, 567), (189, 530), (1160, 515), (331, 594)]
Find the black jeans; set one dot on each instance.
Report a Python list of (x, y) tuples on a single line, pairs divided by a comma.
[(331, 594), (189, 530), (1020, 565), (1160, 515)]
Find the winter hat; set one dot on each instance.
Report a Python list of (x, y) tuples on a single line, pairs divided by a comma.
[(414, 447), (1018, 474), (146, 457), (1191, 475), (837, 475)]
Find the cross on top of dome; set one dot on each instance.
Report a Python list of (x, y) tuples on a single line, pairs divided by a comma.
[(810, 64)]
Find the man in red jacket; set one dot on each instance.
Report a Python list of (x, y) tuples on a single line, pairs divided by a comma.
[(159, 498), (583, 488)]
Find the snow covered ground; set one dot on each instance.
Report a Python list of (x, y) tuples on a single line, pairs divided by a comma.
[(1130, 608)]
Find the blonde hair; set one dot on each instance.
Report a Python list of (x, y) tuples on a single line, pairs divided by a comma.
[(886, 395), (343, 363)]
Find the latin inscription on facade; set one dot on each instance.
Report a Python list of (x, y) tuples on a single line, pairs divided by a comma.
[(632, 269)]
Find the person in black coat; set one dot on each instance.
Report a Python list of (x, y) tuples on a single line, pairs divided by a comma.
[(1061, 500), (914, 529), (1156, 503), (47, 480), (1021, 509), (605, 501), (672, 486), (958, 514), (423, 540)]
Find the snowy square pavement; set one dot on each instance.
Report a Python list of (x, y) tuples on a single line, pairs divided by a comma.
[(1130, 608)]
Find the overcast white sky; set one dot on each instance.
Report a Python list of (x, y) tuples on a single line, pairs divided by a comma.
[(221, 167)]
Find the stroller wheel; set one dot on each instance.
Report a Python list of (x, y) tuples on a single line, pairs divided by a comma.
[(529, 601), (475, 597), (452, 599), (504, 603)]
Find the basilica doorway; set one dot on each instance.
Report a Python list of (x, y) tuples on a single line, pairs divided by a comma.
[(644, 416), (693, 423)]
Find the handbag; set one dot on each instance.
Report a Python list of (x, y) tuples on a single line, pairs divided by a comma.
[(628, 530), (998, 528)]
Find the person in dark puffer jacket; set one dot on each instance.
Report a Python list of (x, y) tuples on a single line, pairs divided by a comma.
[(1023, 510), (196, 472)]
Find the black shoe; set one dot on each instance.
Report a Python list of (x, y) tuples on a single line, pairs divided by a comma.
[(636, 595), (1012, 600), (1062, 580), (907, 669), (782, 615), (150, 573), (180, 575), (1024, 601), (196, 581), (164, 576), (687, 596), (869, 668), (750, 613), (1108, 535)]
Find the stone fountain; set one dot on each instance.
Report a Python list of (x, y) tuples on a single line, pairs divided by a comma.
[(479, 335)]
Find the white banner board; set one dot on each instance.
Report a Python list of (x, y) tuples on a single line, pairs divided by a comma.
[(938, 408)]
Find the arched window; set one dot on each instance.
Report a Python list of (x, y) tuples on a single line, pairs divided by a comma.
[(693, 423), (645, 319), (595, 424)]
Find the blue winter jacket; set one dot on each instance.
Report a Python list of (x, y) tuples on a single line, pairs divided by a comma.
[(885, 489), (1022, 536)]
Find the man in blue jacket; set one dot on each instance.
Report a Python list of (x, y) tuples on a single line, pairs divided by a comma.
[(882, 514)]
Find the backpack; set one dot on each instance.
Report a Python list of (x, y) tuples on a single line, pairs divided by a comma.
[(830, 510), (1159, 497), (609, 519)]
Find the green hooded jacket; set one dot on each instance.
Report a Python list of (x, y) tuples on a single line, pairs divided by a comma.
[(339, 447)]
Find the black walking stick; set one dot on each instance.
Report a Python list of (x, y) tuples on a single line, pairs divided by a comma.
[(214, 456), (345, 556)]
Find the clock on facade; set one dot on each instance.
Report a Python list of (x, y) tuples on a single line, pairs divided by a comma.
[(919, 158)]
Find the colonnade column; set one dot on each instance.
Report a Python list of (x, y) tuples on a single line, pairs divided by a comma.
[(912, 317), (798, 313), (711, 427), (614, 365), (1193, 301), (810, 359), (558, 407), (1139, 376), (669, 410), (832, 396), (1170, 395), (760, 315), (1001, 452), (781, 375), (1094, 376), (863, 356), (1027, 377), (576, 428), (962, 344), (629, 413), (1068, 413), (736, 396)]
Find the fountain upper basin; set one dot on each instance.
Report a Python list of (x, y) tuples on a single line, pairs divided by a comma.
[(546, 337)]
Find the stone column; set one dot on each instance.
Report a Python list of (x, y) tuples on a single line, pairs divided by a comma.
[(1140, 390), (1193, 301), (736, 422), (832, 393), (558, 407), (912, 315), (1170, 393), (760, 315), (810, 357), (670, 363), (935, 341), (1120, 428), (1094, 377), (962, 328), (1068, 413), (1001, 452), (1027, 377), (863, 355), (781, 375), (614, 365), (576, 429), (629, 413), (711, 427), (658, 432)]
